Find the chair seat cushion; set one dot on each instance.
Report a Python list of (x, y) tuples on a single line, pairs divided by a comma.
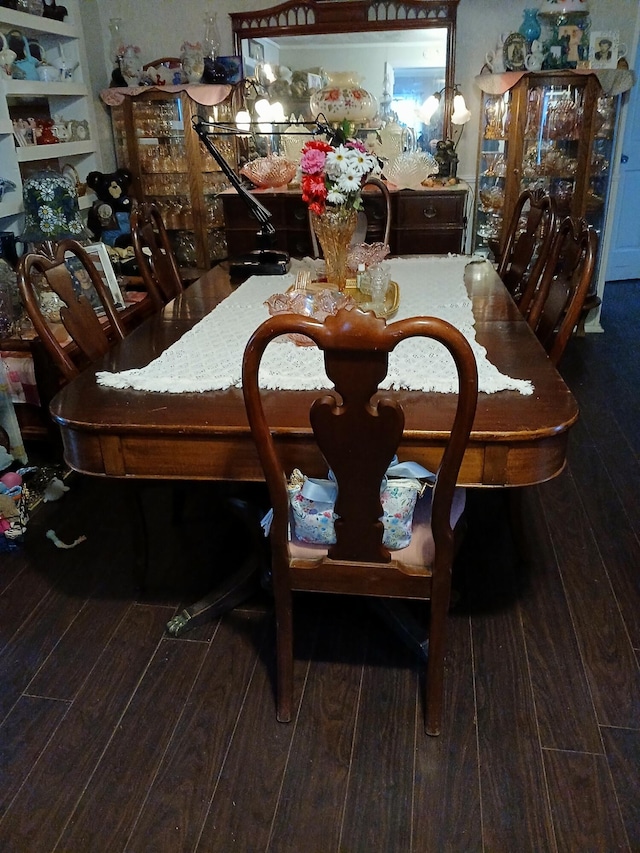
[(419, 552)]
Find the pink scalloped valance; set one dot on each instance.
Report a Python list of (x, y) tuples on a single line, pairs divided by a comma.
[(614, 81), (201, 93)]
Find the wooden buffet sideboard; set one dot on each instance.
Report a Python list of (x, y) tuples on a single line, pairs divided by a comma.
[(429, 221)]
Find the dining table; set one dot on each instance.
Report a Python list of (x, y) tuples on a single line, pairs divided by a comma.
[(519, 436)]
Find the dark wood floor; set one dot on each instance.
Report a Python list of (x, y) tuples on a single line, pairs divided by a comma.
[(115, 736)]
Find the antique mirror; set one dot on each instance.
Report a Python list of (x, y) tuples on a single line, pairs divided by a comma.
[(398, 51)]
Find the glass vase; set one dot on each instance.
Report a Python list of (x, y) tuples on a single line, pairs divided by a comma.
[(211, 40), (117, 39), (530, 27), (334, 229)]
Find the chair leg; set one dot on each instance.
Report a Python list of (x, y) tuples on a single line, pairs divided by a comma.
[(514, 497), (140, 540), (434, 689), (284, 646)]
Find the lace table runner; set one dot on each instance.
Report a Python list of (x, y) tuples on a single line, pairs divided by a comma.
[(209, 356)]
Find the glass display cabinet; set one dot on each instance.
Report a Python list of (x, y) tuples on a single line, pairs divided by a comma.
[(154, 138), (554, 130)]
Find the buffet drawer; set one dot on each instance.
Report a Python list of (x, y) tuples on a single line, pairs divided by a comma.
[(238, 216), (429, 209), (432, 241)]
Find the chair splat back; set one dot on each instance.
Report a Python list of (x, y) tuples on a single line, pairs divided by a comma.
[(154, 254), (564, 286), (525, 251), (359, 467), (78, 315), (358, 430)]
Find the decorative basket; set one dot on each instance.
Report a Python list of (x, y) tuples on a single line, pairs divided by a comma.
[(271, 171)]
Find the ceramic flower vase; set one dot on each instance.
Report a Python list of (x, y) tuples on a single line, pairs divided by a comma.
[(334, 229), (192, 58)]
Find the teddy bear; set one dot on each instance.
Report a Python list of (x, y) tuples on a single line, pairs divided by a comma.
[(108, 217)]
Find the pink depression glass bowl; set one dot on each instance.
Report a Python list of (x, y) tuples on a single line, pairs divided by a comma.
[(271, 171), (317, 305)]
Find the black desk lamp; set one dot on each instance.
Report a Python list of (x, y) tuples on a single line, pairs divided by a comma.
[(265, 260)]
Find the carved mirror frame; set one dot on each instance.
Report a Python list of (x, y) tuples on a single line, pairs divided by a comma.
[(309, 17)]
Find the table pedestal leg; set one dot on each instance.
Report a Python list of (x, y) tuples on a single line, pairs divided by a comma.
[(243, 582)]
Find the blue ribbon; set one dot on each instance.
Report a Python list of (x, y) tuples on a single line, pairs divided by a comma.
[(326, 491)]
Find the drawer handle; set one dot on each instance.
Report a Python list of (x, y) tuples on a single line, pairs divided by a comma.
[(429, 212)]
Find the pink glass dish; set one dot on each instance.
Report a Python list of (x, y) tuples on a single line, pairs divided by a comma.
[(369, 254), (271, 171), (317, 305)]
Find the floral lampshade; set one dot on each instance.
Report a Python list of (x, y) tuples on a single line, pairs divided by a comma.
[(51, 209), (564, 7)]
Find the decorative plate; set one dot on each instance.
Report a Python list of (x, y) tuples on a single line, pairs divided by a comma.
[(515, 52)]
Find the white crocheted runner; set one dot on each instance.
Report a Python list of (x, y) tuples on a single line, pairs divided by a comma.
[(209, 356)]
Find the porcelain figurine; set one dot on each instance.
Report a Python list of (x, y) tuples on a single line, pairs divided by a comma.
[(7, 57), (130, 65), (534, 60)]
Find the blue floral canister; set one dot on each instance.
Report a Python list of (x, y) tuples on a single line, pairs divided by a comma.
[(51, 208)]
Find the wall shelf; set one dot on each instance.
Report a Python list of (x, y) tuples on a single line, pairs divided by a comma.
[(31, 153), (66, 101)]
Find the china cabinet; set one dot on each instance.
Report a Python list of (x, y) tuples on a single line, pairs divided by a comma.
[(61, 102), (154, 138), (554, 130)]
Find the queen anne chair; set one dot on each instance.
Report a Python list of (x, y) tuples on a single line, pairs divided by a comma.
[(91, 334), (557, 305), (154, 254), (526, 250), (358, 438), (378, 219)]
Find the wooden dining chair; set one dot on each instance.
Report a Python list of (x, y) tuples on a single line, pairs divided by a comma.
[(557, 306), (93, 335), (358, 438), (154, 254), (377, 219), (526, 249)]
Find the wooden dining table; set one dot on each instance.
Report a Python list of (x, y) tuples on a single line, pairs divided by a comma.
[(516, 439)]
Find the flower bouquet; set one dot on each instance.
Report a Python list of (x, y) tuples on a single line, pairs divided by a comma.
[(331, 180)]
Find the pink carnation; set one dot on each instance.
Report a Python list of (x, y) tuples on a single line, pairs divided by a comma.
[(312, 161), (357, 145)]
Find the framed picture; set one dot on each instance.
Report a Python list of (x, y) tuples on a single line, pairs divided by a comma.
[(603, 49), (100, 257), (256, 50), (229, 68), (78, 130)]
